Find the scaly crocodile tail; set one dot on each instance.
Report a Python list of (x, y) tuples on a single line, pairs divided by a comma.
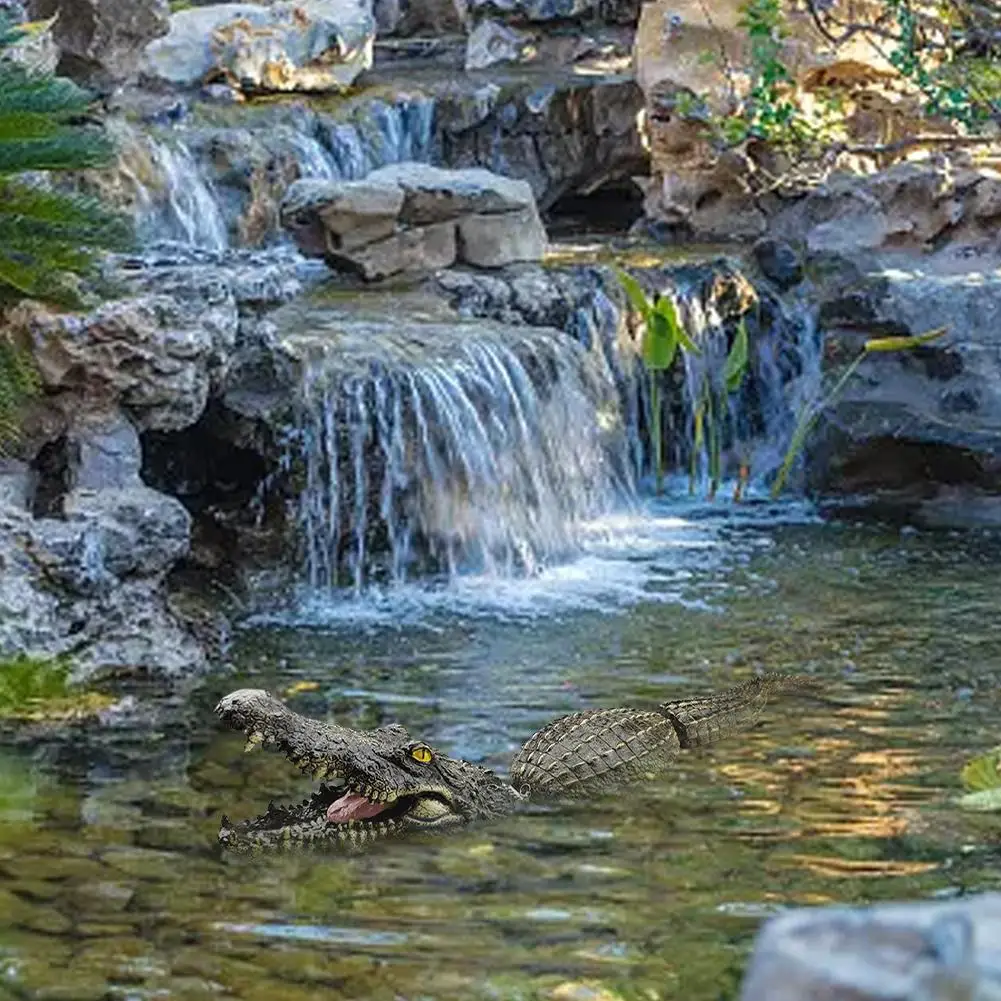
[(704, 721), (587, 751)]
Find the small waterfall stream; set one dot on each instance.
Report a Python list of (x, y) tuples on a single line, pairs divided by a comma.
[(435, 453)]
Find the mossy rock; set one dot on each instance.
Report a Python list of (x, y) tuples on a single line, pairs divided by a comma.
[(39, 690)]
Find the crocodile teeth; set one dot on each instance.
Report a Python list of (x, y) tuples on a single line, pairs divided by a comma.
[(254, 741)]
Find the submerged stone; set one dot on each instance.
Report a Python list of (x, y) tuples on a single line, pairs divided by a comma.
[(889, 952)]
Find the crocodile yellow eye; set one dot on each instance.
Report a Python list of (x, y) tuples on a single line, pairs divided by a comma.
[(421, 753)]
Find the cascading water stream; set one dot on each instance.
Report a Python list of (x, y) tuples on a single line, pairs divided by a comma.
[(448, 456)]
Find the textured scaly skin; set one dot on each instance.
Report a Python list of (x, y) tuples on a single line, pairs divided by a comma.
[(587, 751), (573, 756)]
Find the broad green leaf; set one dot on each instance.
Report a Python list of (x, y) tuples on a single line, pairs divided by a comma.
[(881, 344), (985, 801), (983, 773), (666, 308), (736, 359), (635, 294), (660, 344)]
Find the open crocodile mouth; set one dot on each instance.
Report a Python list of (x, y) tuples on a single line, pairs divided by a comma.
[(338, 812), (341, 805)]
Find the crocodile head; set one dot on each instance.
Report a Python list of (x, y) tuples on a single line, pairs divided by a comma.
[(373, 784)]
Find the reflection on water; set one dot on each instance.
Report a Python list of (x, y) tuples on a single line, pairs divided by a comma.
[(111, 885)]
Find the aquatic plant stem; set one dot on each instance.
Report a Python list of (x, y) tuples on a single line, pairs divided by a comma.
[(807, 419)]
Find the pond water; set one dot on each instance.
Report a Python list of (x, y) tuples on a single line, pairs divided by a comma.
[(111, 884)]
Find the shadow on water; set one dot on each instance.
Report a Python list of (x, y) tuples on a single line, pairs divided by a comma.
[(111, 885)]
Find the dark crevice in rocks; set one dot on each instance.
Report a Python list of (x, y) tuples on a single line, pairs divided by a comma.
[(219, 484), (51, 467), (200, 469), (612, 208)]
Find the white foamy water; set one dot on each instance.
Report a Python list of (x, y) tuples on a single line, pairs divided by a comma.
[(674, 552)]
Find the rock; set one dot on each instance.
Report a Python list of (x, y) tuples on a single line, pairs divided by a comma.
[(890, 952), (135, 531), (434, 18), (492, 241), (104, 452), (305, 45), (779, 262), (17, 484), (623, 12), (345, 215), (419, 250), (490, 43), (102, 41), (59, 598), (912, 206), (434, 194), (572, 137), (154, 355), (945, 393), (408, 217)]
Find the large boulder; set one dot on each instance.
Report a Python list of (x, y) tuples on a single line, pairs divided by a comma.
[(708, 196), (947, 393), (890, 952), (155, 355), (306, 45), (102, 41), (412, 217)]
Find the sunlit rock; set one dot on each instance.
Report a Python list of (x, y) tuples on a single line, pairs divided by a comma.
[(309, 45), (415, 218)]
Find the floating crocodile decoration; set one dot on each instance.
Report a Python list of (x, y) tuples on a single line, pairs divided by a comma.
[(381, 783)]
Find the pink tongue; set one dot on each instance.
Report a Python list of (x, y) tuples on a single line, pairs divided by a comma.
[(351, 806)]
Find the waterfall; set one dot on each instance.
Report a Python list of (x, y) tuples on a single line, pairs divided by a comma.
[(174, 201), (441, 453), (168, 175), (378, 134)]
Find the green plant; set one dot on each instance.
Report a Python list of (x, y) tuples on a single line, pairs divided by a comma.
[(981, 779), (949, 52), (812, 411), (39, 689), (47, 235), (663, 335)]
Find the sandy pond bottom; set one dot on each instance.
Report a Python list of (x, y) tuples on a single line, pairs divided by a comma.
[(111, 885)]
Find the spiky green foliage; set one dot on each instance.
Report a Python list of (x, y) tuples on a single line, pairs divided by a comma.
[(18, 382), (46, 234)]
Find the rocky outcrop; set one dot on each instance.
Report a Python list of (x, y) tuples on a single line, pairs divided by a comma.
[(946, 393), (87, 579), (87, 544), (306, 45), (915, 206), (891, 951), (571, 135), (101, 41), (414, 218)]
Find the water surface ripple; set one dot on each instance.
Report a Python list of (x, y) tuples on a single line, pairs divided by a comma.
[(111, 885)]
